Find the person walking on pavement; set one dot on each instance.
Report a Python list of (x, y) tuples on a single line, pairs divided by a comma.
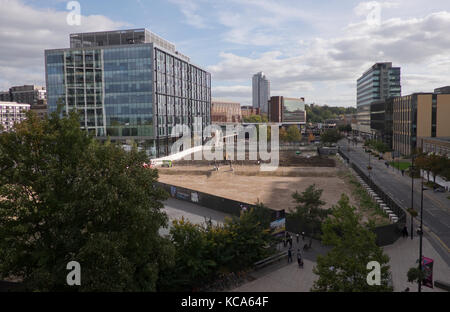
[(299, 259), (303, 236), (289, 255), (290, 241), (297, 237), (405, 231)]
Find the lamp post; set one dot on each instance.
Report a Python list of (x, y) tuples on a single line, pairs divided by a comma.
[(420, 232), (412, 195)]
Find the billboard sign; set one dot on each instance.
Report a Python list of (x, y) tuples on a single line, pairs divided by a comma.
[(427, 267)]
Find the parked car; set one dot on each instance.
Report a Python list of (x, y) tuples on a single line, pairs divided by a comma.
[(439, 189)]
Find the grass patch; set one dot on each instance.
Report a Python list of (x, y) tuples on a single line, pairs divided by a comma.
[(366, 204), (400, 165)]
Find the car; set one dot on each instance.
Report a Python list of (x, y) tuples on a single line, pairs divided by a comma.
[(439, 189)]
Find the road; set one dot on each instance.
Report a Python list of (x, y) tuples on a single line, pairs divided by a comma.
[(436, 209)]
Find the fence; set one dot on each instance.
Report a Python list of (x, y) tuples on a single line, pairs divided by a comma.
[(385, 234)]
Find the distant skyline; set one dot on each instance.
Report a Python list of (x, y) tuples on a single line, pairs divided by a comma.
[(307, 48)]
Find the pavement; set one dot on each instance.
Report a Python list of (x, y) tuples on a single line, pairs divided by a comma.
[(436, 207), (176, 209), (288, 277), (284, 277), (403, 256)]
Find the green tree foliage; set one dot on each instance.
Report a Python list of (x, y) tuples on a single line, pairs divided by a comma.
[(344, 267), (330, 136), (434, 164), (438, 165), (294, 134), (322, 113), (204, 251), (377, 145), (345, 128), (256, 119), (65, 197), (415, 275), (308, 209), (283, 135)]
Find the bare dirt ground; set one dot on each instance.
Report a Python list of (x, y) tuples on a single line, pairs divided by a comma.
[(249, 185), (246, 183)]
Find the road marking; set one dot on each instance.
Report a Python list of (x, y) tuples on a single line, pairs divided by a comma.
[(429, 231)]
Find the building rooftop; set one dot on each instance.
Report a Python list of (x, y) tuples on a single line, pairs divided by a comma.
[(121, 37), (442, 90), (375, 66), (218, 100), (13, 104)]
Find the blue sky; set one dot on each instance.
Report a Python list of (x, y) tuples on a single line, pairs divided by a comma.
[(312, 49)]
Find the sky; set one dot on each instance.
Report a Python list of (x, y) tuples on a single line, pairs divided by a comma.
[(315, 49)]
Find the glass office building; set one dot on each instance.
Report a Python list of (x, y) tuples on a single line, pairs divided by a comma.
[(129, 85), (380, 82), (287, 111)]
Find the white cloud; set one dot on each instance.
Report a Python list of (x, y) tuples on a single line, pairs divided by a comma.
[(419, 45), (190, 9), (25, 32)]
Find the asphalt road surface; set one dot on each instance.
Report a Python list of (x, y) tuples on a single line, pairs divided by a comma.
[(436, 209)]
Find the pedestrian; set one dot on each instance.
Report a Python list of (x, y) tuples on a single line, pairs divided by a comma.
[(289, 255), (303, 236), (290, 242), (299, 258), (405, 232), (297, 237), (403, 172)]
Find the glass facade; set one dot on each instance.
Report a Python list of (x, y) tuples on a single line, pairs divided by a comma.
[(380, 82), (128, 90), (293, 110)]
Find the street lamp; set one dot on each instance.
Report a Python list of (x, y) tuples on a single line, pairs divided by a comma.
[(420, 232), (412, 194)]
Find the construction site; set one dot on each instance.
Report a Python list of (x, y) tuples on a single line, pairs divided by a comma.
[(245, 182)]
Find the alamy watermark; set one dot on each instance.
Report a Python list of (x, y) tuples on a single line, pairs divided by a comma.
[(74, 16), (233, 142), (73, 278), (374, 276)]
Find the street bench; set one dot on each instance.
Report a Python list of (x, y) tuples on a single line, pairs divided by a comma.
[(277, 257), (442, 285)]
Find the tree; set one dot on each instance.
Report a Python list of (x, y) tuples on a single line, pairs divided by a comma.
[(344, 267), (309, 210), (66, 197), (438, 165), (193, 264), (204, 251), (345, 128), (415, 275), (293, 134), (256, 119), (283, 135), (330, 136), (423, 162)]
